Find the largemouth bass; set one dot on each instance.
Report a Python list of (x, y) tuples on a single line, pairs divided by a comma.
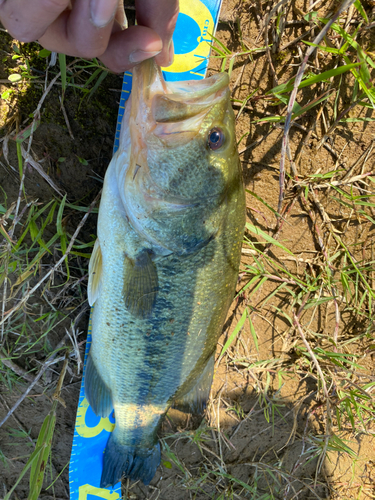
[(165, 264)]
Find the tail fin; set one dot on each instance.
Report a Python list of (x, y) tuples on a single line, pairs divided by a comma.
[(130, 461)]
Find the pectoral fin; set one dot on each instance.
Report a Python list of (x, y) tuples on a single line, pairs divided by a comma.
[(195, 400), (140, 284), (95, 273)]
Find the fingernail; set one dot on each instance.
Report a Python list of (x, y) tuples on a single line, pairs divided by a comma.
[(141, 55), (102, 12)]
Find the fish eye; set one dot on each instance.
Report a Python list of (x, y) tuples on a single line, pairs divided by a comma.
[(215, 138)]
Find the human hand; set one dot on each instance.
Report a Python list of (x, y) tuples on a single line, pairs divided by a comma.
[(94, 28)]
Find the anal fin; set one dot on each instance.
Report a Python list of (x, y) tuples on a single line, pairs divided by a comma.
[(195, 400), (140, 284), (97, 393)]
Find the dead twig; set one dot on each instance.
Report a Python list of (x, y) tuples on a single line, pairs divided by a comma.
[(257, 142), (336, 122), (324, 386), (66, 118), (29, 160), (324, 252), (327, 146), (268, 52), (19, 423), (296, 40)]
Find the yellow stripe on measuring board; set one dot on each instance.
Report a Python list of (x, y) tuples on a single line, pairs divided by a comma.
[(197, 20)]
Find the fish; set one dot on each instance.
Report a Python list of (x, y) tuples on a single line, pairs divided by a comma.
[(165, 263)]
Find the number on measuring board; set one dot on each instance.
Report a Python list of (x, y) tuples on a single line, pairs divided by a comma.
[(86, 431), (87, 491)]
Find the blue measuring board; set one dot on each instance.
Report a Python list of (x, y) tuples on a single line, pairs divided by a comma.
[(196, 21)]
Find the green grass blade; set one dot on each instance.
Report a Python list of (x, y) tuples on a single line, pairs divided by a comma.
[(311, 104), (324, 48), (25, 133), (62, 62), (102, 76), (92, 77), (350, 40), (266, 237), (357, 120), (253, 334), (326, 75), (297, 113), (361, 10), (234, 334), (60, 230), (169, 453), (35, 454), (264, 202), (44, 443), (225, 49), (39, 466)]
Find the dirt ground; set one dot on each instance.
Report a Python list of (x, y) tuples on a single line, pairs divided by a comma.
[(267, 415)]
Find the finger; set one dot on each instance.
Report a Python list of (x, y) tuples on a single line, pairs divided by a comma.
[(83, 31), (129, 47), (162, 17), (27, 21)]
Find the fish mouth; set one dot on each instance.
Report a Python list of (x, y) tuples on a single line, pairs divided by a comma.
[(177, 108)]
